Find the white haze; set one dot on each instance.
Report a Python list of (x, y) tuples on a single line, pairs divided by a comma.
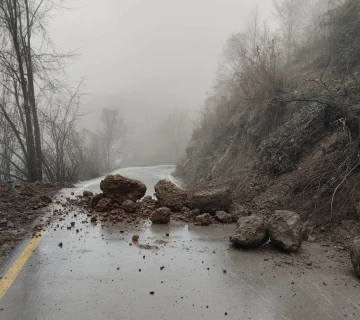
[(148, 57)]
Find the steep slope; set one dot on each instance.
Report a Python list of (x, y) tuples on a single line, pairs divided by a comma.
[(300, 149)]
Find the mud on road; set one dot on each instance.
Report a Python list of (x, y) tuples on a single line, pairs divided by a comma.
[(21, 204)]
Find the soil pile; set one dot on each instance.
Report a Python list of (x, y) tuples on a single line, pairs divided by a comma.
[(20, 205)]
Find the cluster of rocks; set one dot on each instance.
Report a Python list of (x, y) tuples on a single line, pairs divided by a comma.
[(284, 229), (122, 200), (203, 207)]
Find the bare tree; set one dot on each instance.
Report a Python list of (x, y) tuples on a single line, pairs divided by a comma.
[(26, 74), (112, 135), (61, 162), (173, 135), (291, 15)]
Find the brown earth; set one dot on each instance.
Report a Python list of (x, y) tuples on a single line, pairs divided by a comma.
[(20, 205)]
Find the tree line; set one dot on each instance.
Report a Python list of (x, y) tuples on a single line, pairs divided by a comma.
[(40, 110), (263, 63)]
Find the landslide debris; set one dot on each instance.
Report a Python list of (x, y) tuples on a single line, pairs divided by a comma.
[(250, 232), (20, 205), (285, 230), (170, 196)]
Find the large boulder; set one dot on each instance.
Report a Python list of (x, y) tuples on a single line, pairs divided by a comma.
[(250, 232), (223, 217), (355, 255), (161, 216), (210, 200), (121, 188), (286, 230), (170, 196)]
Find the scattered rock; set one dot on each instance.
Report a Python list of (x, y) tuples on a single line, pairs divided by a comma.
[(355, 255), (250, 232), (223, 217), (161, 216), (170, 196), (285, 230), (204, 219), (135, 238)]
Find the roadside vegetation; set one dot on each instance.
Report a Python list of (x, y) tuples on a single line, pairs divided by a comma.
[(282, 123), (40, 136)]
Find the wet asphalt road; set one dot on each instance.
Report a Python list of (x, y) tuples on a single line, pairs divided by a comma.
[(100, 274)]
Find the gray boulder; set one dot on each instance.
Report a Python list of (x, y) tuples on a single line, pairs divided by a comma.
[(250, 232), (161, 216), (210, 200), (223, 217), (286, 230), (120, 188), (170, 196), (355, 255)]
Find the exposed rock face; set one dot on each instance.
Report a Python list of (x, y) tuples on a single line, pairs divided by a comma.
[(103, 205), (211, 200), (121, 188), (170, 196), (250, 232), (223, 217), (238, 211), (355, 255), (161, 216), (204, 219), (285, 230)]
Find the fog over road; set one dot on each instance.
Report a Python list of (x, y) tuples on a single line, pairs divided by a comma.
[(100, 274)]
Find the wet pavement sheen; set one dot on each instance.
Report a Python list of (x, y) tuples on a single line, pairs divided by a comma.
[(100, 274)]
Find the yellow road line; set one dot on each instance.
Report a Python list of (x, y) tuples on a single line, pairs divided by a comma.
[(9, 278)]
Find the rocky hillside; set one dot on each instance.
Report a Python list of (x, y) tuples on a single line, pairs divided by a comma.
[(291, 142)]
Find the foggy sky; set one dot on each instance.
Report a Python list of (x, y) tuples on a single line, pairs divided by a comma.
[(149, 53)]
